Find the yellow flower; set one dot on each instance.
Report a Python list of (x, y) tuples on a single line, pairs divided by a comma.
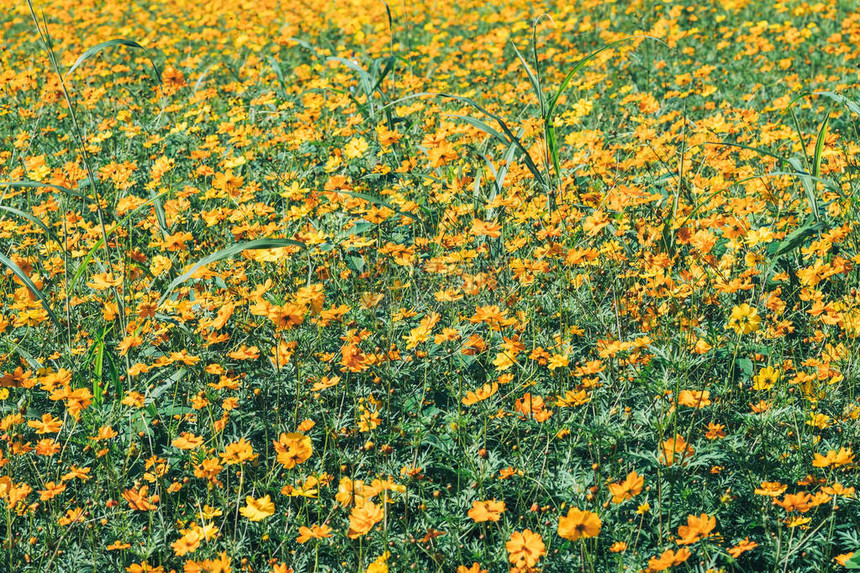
[(379, 565), (744, 319), (258, 509), (765, 379)]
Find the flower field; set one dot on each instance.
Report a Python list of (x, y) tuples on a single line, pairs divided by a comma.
[(467, 287)]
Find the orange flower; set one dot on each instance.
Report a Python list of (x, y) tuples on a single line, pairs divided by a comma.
[(627, 489), (533, 406), (188, 543), (51, 491), (48, 424), (187, 441), (525, 549), (675, 446), (363, 518), (139, 500), (490, 510), (801, 502), (578, 523), (480, 394), (742, 547), (237, 453), (486, 229), (843, 457), (669, 558), (313, 532), (697, 528), (47, 447), (715, 431), (694, 398), (71, 516), (208, 469)]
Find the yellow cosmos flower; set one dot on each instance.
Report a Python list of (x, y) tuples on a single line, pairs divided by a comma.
[(258, 509), (744, 319)]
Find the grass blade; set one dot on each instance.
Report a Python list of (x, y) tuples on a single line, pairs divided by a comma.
[(98, 370), (808, 187), (39, 185), (86, 260), (854, 107), (90, 52), (553, 101), (33, 219), (511, 138), (363, 76), (225, 253), (533, 79), (748, 148), (389, 65), (819, 147), (29, 284), (483, 127)]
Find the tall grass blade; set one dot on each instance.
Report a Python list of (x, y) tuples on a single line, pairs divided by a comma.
[(363, 76), (808, 185), (22, 276), (33, 219), (40, 185), (88, 257), (225, 253), (535, 81), (819, 147), (474, 122), (553, 101), (853, 106), (90, 52)]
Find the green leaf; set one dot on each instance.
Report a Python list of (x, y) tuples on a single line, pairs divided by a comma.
[(841, 99), (748, 148), (160, 215), (854, 562), (98, 370), (474, 122), (29, 284), (819, 147), (39, 185), (796, 239), (90, 52), (389, 65), (363, 76), (533, 79), (808, 187), (511, 138), (88, 257), (553, 101), (33, 219), (228, 252)]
